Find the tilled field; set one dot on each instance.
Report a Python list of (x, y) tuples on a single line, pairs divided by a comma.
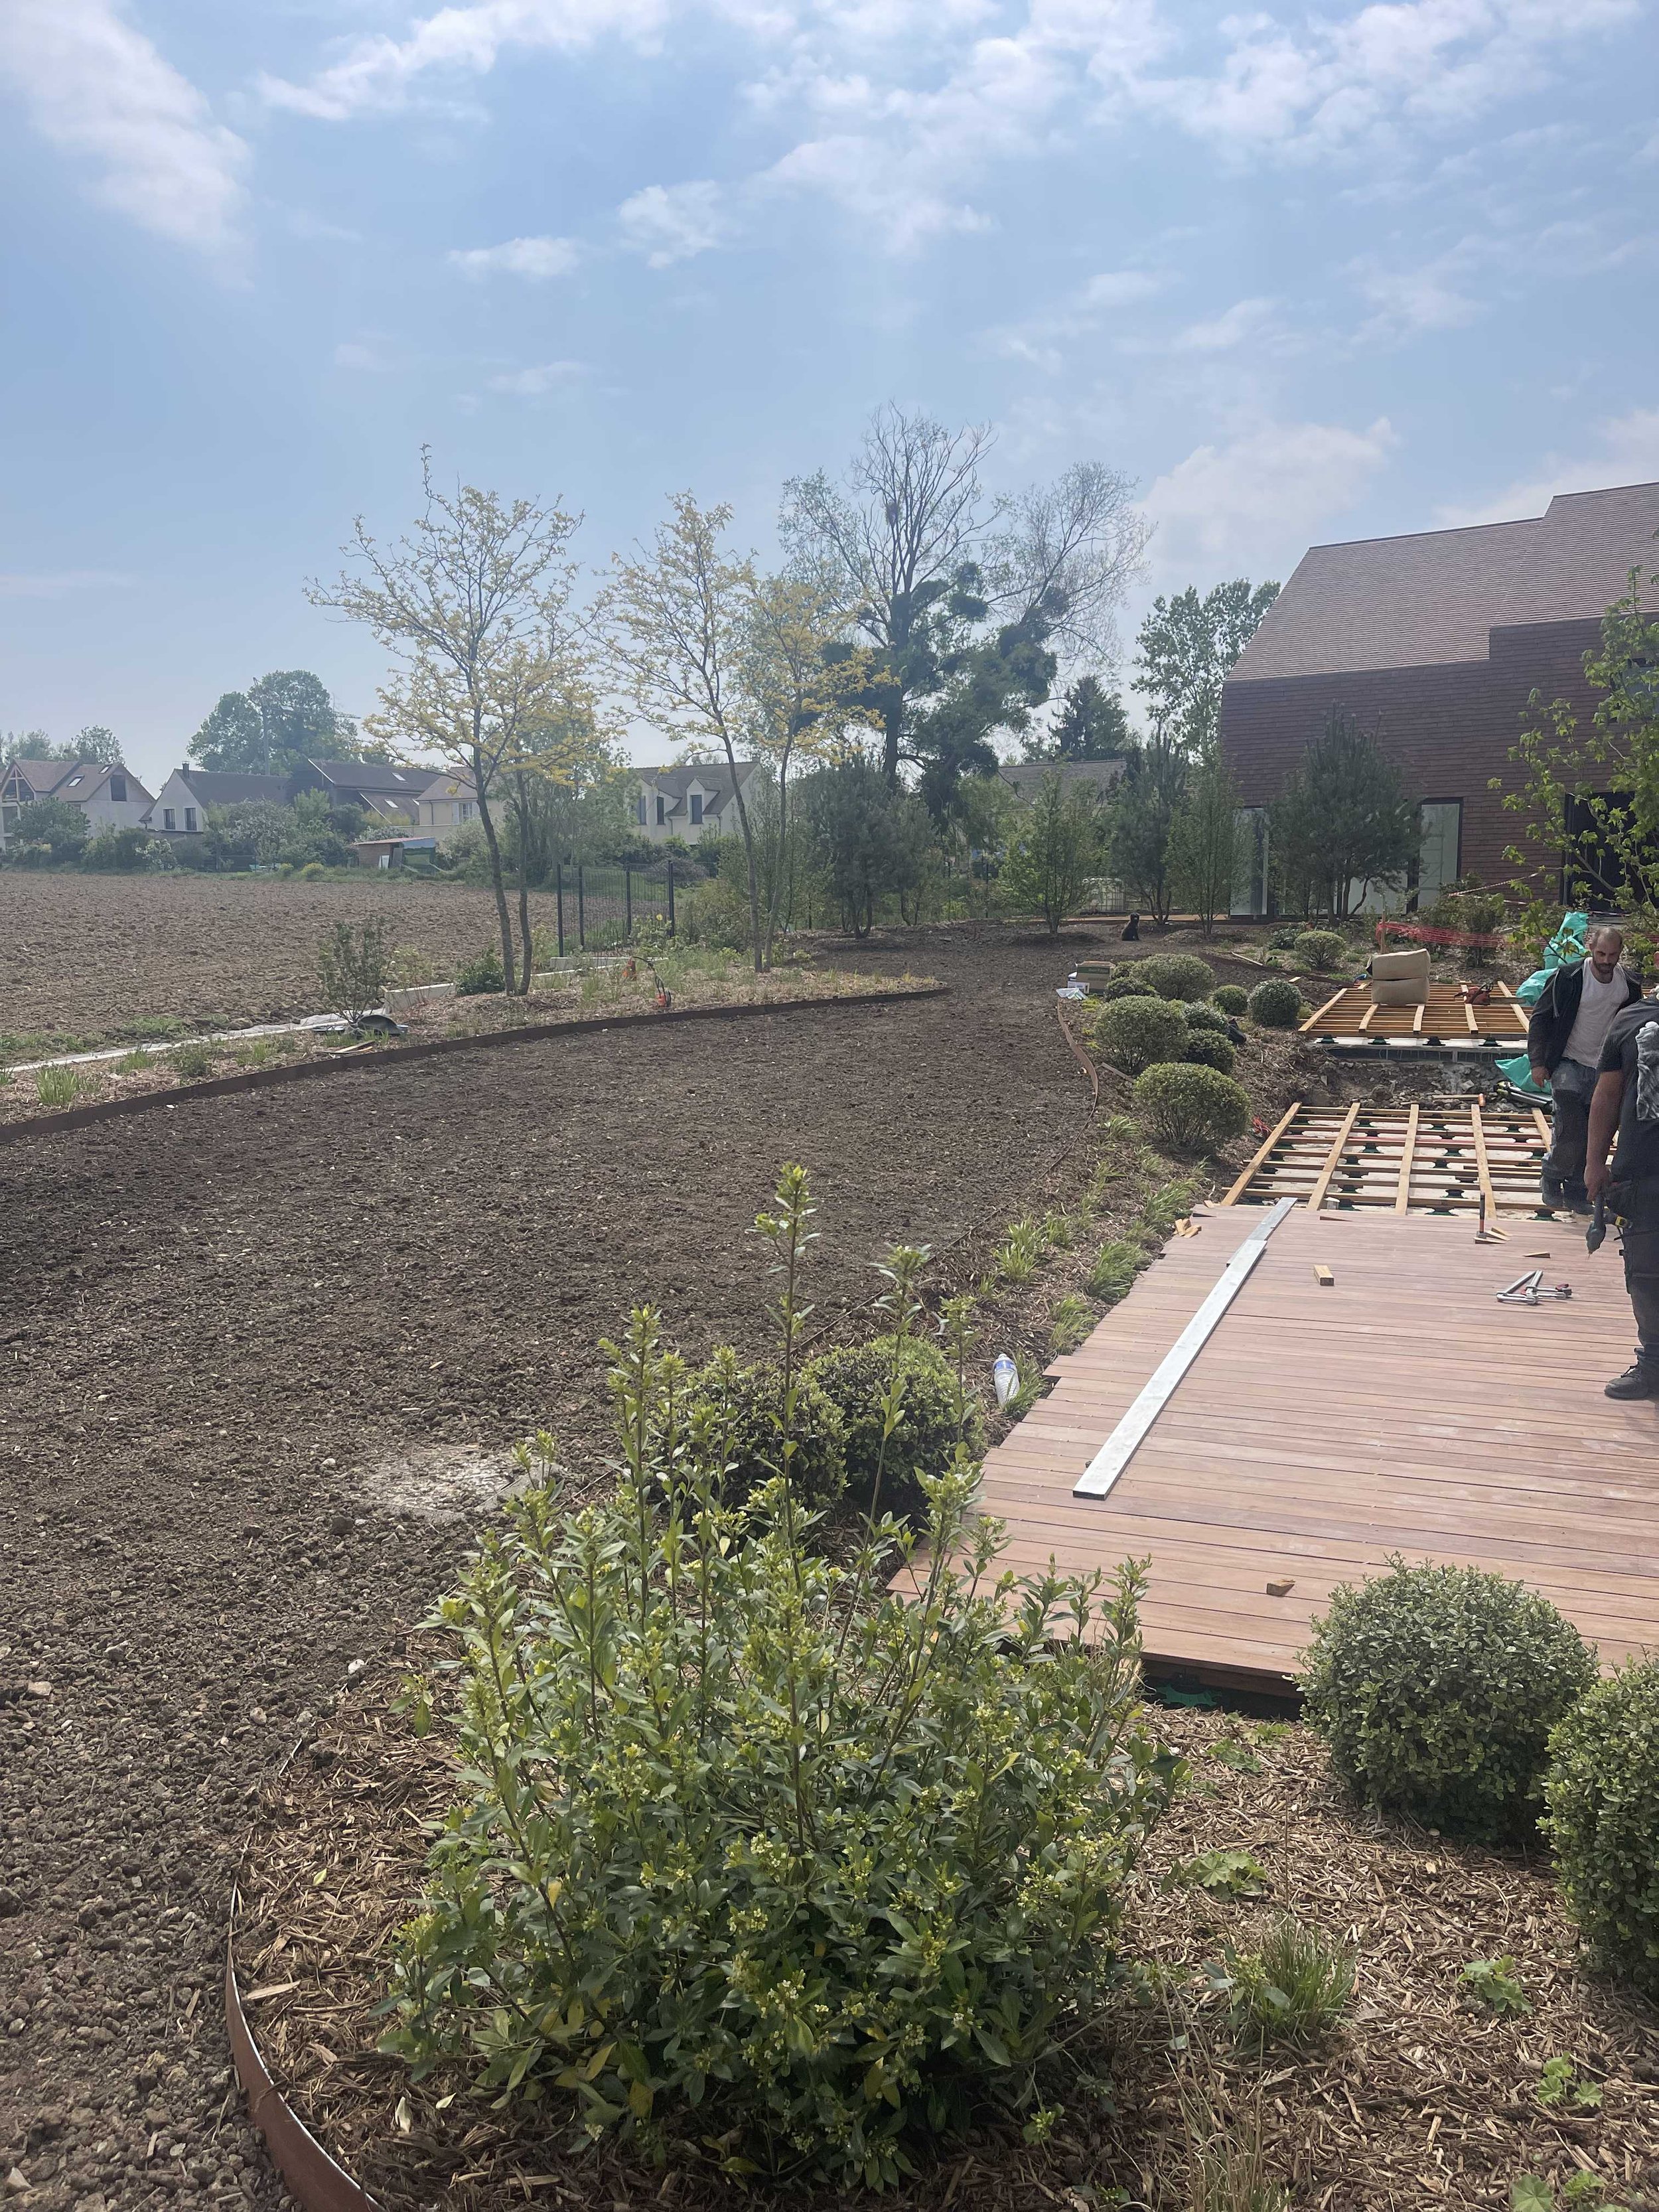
[(82, 955), (259, 1356)]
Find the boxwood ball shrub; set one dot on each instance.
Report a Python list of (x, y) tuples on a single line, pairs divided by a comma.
[(1127, 985), (1602, 1794), (1201, 1015), (1230, 998), (1178, 975), (1205, 1049), (739, 1403), (755, 1862), (1437, 1688), (855, 1378), (1321, 949), (1275, 1003), (1133, 1033), (1193, 1109)]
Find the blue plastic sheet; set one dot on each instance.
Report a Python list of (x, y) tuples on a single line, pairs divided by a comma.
[(1567, 944)]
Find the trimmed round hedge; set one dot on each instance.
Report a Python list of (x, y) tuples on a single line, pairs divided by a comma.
[(854, 1377), (1603, 1793), (1193, 1109), (1178, 975), (1275, 1004), (1134, 1034), (1231, 997), (1321, 949), (1126, 986), (1204, 1049), (1201, 1016), (1437, 1688), (745, 1402)]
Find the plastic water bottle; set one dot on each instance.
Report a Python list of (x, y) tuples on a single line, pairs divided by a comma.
[(1005, 1377)]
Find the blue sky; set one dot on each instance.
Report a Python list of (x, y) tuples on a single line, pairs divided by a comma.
[(1305, 275)]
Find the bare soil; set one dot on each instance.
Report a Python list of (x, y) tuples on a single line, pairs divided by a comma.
[(260, 1358)]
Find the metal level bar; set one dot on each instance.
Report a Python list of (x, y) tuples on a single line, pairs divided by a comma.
[(1114, 1454)]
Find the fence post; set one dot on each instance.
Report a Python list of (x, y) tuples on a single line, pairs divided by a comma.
[(581, 912), (558, 893), (671, 893), (627, 900)]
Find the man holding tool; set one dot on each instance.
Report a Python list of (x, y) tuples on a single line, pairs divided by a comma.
[(1627, 1099), (1569, 1027)]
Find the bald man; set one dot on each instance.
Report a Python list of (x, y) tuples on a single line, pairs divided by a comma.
[(1565, 1037)]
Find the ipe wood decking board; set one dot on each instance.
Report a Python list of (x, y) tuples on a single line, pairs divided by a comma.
[(1448, 1015), (1440, 1156), (1399, 1409)]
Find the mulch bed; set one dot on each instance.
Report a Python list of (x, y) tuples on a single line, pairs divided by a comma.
[(1420, 2097)]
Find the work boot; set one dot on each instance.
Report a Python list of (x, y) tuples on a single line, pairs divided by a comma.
[(1551, 1192), (1639, 1381)]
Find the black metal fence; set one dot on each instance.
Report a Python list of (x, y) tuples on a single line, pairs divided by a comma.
[(598, 907)]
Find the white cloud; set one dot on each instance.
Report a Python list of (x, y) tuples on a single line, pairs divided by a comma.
[(359, 354), (1406, 302), (535, 383), (56, 584), (1039, 340), (537, 258), (95, 88), (1253, 505), (1628, 453), (1247, 322), (672, 223)]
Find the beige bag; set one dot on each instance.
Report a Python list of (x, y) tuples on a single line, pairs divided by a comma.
[(1401, 979)]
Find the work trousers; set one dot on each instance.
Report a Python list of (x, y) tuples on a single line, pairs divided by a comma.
[(1572, 1085), (1637, 1204)]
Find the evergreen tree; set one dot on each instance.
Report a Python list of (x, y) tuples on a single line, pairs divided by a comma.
[(1343, 822)]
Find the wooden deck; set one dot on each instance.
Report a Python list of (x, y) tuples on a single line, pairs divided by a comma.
[(1319, 1428), (1440, 1156), (1448, 1018)]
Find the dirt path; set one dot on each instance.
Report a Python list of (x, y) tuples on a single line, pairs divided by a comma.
[(243, 1347)]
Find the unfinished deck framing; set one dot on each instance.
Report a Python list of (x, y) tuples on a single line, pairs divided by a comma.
[(1440, 1156), (1448, 1018), (1321, 1428)]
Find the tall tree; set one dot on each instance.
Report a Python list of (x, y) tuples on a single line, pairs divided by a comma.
[(566, 752), (96, 743), (1185, 648), (1091, 724), (1343, 820), (1058, 837), (1143, 811), (1207, 840), (474, 606), (284, 720), (963, 601)]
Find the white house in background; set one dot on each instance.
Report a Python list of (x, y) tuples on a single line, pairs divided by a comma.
[(447, 804), (180, 809), (690, 802), (109, 798)]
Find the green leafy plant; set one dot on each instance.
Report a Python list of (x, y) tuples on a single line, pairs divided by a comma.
[(1531, 2192), (190, 1062), (1437, 1688), (57, 1086), (761, 1860), (133, 1063), (1117, 1265), (1178, 975), (1282, 939), (482, 973), (1494, 1985), (1230, 998), (1203, 1048), (1228, 2169), (1275, 1004), (1229, 1874), (260, 1053), (1602, 1794), (1132, 1034), (1193, 1109), (1239, 1756), (1020, 1253), (1129, 983), (1293, 1989), (1268, 1732), (352, 967), (1321, 950), (889, 1450), (733, 1409), (1169, 1203), (1069, 1323), (1561, 2083), (1058, 1231), (1202, 1015)]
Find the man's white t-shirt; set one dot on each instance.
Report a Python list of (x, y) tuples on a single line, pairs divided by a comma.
[(1596, 1009)]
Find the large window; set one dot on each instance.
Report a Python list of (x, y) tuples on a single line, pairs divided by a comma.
[(1439, 854), (169, 821), (190, 818), (696, 807), (639, 810), (662, 809), (1251, 886), (117, 789)]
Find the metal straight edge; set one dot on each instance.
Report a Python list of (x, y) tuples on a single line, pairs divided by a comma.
[(1120, 1448)]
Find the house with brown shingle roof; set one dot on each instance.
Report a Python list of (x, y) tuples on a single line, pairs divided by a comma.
[(1436, 640), (109, 798)]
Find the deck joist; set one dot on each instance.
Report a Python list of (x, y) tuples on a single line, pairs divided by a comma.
[(1451, 1017), (1439, 1156)]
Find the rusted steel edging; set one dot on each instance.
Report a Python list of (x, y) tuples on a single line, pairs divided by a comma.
[(318, 2183), (261, 1079)]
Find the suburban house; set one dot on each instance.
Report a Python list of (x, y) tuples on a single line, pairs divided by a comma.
[(389, 793), (179, 808), (109, 798), (447, 804), (1026, 778), (1436, 641), (690, 802)]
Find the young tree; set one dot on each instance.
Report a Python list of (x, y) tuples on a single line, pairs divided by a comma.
[(858, 833), (1185, 648), (1056, 846), (1153, 784), (1208, 842), (473, 605), (566, 753), (1343, 819), (57, 824), (1091, 725), (1612, 831)]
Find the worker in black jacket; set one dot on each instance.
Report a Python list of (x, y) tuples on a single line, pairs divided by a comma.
[(1565, 1037)]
